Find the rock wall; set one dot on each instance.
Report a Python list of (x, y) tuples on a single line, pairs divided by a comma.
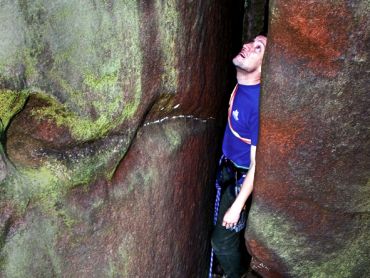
[(110, 124), (310, 215), (255, 18)]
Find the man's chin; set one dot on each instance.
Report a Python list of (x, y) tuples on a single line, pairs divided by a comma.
[(236, 61)]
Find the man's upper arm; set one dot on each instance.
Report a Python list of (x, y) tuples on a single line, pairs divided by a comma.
[(253, 154)]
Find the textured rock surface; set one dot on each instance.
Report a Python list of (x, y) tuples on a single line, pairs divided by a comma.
[(109, 120), (255, 18), (311, 212)]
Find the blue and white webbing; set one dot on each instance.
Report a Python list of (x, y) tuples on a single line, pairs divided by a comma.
[(217, 206)]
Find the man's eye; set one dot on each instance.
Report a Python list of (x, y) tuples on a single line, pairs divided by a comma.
[(258, 48)]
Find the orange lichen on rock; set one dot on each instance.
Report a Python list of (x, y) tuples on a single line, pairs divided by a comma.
[(313, 33), (259, 251), (283, 137)]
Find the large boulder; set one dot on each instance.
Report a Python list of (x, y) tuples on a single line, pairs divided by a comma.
[(110, 124), (310, 215)]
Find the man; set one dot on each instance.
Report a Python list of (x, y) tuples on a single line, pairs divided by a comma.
[(237, 165)]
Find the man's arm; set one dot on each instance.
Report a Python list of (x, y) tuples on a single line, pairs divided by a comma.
[(233, 213)]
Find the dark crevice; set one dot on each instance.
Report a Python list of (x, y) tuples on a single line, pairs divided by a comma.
[(255, 23), (8, 163)]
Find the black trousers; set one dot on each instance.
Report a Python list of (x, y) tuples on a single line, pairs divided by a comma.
[(225, 242)]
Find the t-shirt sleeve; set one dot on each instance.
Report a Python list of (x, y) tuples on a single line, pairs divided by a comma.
[(254, 127)]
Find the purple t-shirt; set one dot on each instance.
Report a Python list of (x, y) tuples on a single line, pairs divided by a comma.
[(245, 121)]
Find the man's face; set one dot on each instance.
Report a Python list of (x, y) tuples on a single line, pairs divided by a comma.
[(250, 57)]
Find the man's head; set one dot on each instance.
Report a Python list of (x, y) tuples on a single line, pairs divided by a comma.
[(249, 60)]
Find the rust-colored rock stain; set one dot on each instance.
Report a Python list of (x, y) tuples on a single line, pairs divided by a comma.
[(304, 31)]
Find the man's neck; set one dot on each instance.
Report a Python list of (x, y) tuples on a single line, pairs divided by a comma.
[(245, 78)]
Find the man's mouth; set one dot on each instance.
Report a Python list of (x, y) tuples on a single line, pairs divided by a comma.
[(243, 53)]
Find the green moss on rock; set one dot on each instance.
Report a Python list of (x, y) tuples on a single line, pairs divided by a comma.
[(85, 128), (295, 250), (31, 251), (10, 104), (40, 185), (86, 54), (47, 185), (169, 29), (120, 266)]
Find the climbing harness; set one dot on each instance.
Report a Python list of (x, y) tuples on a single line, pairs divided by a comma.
[(239, 176), (217, 205)]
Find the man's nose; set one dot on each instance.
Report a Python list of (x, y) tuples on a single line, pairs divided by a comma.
[(247, 46)]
